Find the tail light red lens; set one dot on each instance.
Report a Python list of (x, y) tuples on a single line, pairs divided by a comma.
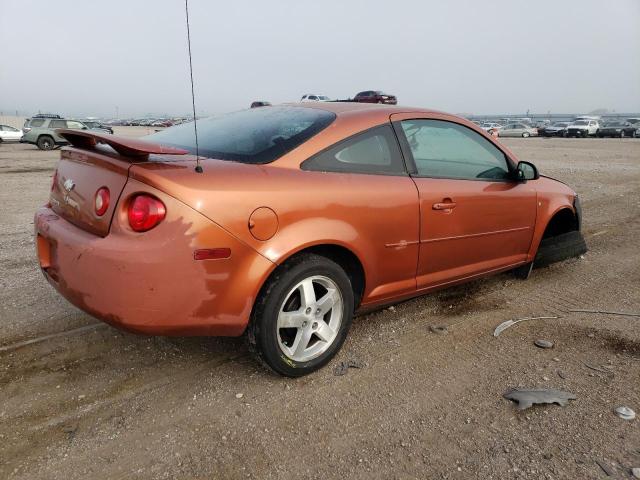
[(102, 201), (145, 212)]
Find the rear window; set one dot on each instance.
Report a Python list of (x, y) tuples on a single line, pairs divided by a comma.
[(249, 136)]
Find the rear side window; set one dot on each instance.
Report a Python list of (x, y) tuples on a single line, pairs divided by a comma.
[(57, 124), (37, 122), (259, 135), (375, 151), (74, 124), (443, 149)]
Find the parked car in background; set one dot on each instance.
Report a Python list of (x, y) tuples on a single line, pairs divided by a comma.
[(375, 96), (314, 98), (10, 134), (95, 125), (260, 104), (517, 130), (41, 131), (617, 129), (303, 215), (557, 129), (491, 126), (583, 128)]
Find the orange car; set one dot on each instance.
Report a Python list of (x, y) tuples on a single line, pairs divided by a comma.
[(302, 216)]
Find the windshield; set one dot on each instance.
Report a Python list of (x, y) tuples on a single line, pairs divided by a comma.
[(560, 124), (259, 135), (581, 122)]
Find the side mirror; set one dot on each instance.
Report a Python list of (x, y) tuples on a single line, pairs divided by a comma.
[(527, 171)]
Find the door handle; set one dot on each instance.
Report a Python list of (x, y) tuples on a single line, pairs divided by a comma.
[(444, 205)]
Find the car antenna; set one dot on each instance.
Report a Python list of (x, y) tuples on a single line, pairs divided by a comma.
[(193, 96)]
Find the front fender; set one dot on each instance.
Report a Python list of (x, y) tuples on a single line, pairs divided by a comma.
[(547, 209)]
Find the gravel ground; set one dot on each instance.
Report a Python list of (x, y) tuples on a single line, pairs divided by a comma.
[(89, 401)]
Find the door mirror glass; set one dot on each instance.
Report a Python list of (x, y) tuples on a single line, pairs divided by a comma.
[(527, 171)]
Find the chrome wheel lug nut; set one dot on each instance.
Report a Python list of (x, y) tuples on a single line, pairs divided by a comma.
[(308, 310)]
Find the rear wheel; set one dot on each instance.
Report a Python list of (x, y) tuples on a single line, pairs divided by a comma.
[(302, 316), (526, 134), (45, 142)]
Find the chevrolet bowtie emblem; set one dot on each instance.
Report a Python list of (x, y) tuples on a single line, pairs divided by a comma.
[(68, 184)]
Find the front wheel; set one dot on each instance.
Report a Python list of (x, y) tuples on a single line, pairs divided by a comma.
[(302, 316), (525, 134)]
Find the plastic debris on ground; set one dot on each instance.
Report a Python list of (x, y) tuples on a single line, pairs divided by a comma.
[(504, 325), (343, 367), (528, 397), (625, 413)]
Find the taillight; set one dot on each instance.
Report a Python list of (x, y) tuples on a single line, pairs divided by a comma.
[(101, 201), (26, 130), (145, 212), (54, 180)]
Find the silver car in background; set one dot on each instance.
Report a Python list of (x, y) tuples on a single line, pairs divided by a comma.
[(518, 130)]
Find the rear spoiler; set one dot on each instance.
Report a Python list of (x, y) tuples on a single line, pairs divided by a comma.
[(129, 147)]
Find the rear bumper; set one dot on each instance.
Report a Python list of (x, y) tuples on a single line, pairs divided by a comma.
[(150, 283)]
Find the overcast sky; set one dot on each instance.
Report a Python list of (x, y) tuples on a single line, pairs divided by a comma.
[(461, 56)]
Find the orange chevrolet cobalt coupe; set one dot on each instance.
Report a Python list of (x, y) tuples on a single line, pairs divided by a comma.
[(302, 216)]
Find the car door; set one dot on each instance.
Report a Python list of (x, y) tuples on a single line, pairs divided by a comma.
[(362, 182), (474, 218)]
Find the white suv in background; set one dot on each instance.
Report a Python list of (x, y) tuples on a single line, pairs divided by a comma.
[(583, 128)]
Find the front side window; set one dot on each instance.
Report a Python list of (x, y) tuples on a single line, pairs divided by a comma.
[(374, 151), (258, 135), (443, 149)]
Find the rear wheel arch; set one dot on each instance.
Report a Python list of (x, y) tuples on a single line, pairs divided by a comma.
[(343, 256)]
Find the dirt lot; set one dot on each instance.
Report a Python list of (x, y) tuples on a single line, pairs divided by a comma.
[(86, 401)]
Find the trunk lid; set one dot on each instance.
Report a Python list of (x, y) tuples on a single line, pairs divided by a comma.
[(78, 178), (86, 167)]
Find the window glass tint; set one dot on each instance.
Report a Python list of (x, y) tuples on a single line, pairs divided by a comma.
[(375, 151), (37, 122), (57, 124), (449, 150), (74, 124), (259, 135)]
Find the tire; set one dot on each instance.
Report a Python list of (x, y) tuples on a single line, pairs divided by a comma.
[(299, 350), (622, 134), (561, 247), (633, 134), (45, 142), (526, 135)]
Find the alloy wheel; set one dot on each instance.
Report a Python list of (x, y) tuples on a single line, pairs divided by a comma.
[(309, 318)]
